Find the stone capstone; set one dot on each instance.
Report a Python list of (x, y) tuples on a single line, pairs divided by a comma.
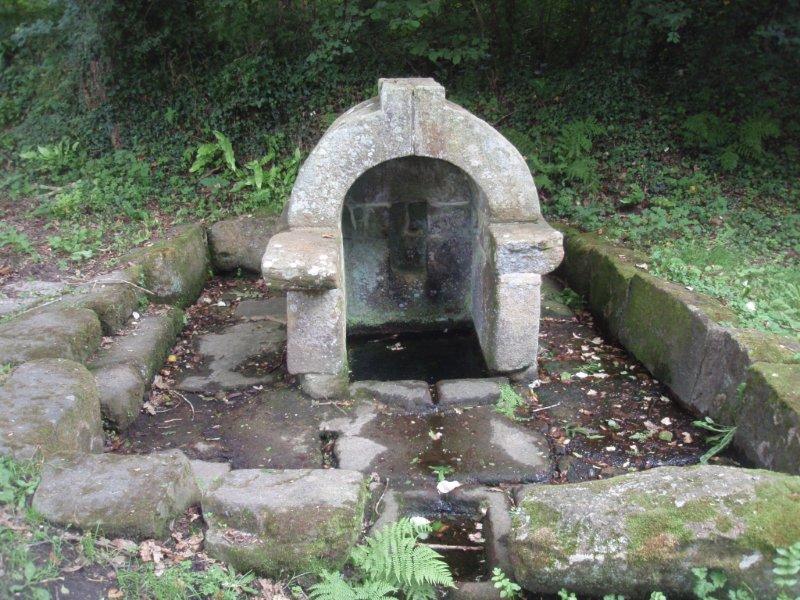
[(646, 531), (50, 332), (119, 495), (49, 406), (302, 259), (239, 243), (283, 522), (526, 247)]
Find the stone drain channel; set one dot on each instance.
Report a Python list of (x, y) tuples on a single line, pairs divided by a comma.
[(224, 399)]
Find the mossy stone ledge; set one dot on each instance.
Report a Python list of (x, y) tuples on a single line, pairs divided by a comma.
[(284, 522), (645, 531)]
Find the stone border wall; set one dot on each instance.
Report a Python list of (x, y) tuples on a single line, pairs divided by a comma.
[(736, 376)]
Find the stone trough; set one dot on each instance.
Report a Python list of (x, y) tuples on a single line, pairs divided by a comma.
[(411, 217)]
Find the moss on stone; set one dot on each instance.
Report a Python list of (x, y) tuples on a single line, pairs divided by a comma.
[(773, 518), (662, 526)]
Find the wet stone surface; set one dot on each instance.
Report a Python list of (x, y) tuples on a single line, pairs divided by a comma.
[(593, 413)]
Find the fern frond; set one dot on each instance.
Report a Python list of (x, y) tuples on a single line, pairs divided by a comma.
[(394, 555), (334, 587)]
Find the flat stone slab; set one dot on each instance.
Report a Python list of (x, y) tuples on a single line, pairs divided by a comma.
[(50, 332), (50, 406), (121, 495), (302, 259), (645, 531), (228, 353), (477, 446), (121, 388), (408, 394), (271, 309), (284, 521), (469, 392)]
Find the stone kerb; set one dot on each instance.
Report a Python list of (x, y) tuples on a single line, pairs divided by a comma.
[(738, 377)]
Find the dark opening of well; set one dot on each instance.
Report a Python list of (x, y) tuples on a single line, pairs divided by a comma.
[(428, 356)]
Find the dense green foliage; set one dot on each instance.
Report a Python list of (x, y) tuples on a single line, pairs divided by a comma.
[(668, 125)]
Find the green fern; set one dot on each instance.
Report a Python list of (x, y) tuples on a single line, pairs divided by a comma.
[(334, 587), (390, 561), (752, 134)]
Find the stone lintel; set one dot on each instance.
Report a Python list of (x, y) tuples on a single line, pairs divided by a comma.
[(302, 259)]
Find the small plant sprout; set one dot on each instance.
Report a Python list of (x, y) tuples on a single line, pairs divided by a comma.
[(441, 471), (507, 587), (509, 402), (721, 438)]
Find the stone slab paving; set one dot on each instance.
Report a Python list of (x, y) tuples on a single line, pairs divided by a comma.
[(49, 406), (409, 395), (227, 352), (128, 496), (477, 445), (469, 392), (274, 429), (284, 521)]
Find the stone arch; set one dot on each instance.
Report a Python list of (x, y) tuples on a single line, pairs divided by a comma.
[(513, 244), (410, 117)]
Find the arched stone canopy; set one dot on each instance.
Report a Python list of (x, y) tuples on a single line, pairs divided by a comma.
[(510, 247), (410, 117)]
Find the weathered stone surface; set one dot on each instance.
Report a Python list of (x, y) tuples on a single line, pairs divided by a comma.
[(121, 389), (20, 295), (510, 328), (225, 355), (552, 302), (176, 268), (49, 406), (239, 243), (284, 521), (206, 473), (120, 495), (302, 259), (410, 117), (315, 323), (469, 392), (110, 297), (145, 346), (271, 309), (641, 532), (526, 247), (50, 332), (479, 445), (322, 386), (671, 330), (408, 395), (767, 416)]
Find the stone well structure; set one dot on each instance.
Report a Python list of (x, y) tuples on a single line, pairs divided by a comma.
[(411, 213)]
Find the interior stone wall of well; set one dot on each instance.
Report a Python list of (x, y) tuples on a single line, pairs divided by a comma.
[(409, 229)]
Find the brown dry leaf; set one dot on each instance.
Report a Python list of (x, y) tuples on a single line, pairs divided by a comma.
[(115, 594), (269, 590), (150, 551)]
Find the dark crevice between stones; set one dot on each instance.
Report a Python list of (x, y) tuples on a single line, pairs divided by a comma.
[(328, 442)]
